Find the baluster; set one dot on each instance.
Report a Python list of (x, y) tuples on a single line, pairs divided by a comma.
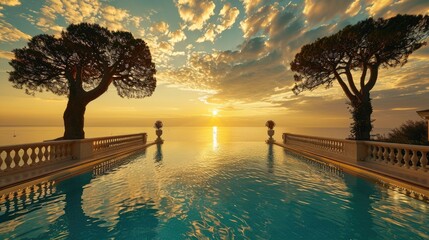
[(414, 159), (386, 154), (47, 153), (407, 158), (40, 154), (392, 156), (22, 158), (399, 157), (380, 154), (3, 155), (33, 155), (424, 161), (8, 160), (16, 158), (374, 153), (26, 157)]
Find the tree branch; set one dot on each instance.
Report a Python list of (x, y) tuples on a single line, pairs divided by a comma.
[(373, 77), (78, 78), (363, 76), (351, 82), (102, 87), (343, 85)]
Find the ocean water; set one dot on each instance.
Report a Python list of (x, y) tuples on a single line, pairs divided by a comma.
[(18, 135), (215, 189)]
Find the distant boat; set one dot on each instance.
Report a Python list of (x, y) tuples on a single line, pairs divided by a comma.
[(14, 135)]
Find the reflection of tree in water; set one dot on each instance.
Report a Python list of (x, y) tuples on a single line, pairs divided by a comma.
[(158, 154), (138, 221), (270, 158), (79, 225), (135, 220)]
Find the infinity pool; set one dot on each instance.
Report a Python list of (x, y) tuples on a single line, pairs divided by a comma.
[(207, 190)]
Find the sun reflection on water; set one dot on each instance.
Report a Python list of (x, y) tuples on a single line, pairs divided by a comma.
[(215, 142)]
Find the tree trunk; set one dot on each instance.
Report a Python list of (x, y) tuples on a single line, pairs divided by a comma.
[(361, 114), (74, 119)]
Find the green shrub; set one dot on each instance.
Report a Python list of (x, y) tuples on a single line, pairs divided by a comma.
[(410, 132)]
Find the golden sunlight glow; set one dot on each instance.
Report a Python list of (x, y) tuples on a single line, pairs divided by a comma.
[(215, 112)]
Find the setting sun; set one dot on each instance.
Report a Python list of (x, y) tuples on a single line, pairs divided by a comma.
[(215, 112)]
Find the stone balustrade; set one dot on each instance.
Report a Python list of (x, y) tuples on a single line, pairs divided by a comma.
[(402, 161), (345, 150), (20, 157), (399, 155)]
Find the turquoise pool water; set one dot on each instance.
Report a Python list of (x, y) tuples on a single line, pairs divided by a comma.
[(213, 190)]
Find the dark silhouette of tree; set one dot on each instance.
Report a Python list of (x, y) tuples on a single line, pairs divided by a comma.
[(410, 132), (81, 64), (365, 47)]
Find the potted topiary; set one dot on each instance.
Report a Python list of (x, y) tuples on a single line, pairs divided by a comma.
[(270, 124), (158, 125)]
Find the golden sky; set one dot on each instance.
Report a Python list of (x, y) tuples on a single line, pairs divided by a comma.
[(227, 56)]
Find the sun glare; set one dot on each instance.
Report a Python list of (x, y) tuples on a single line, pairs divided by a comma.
[(215, 112)]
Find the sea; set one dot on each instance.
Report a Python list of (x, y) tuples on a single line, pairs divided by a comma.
[(13, 135)]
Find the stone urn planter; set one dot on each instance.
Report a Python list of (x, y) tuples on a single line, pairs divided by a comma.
[(158, 125), (270, 124), (158, 132)]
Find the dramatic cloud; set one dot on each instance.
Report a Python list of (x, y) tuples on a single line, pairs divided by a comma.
[(77, 11), (318, 11), (113, 18), (250, 5), (258, 70), (390, 8), (209, 35), (259, 20), (247, 75), (354, 8), (378, 6), (227, 17), (10, 2), (72, 11), (6, 55), (160, 28), (10, 33), (177, 36), (195, 13)]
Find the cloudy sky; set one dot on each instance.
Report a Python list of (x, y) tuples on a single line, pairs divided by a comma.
[(229, 57)]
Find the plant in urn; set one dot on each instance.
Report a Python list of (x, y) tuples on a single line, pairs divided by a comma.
[(270, 124), (158, 125)]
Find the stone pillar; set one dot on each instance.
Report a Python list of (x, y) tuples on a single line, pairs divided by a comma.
[(82, 149)]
